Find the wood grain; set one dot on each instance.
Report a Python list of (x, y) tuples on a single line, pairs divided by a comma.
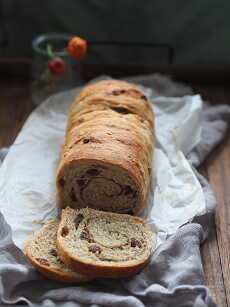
[(213, 269), (11, 68), (216, 250), (211, 260), (15, 106), (219, 174)]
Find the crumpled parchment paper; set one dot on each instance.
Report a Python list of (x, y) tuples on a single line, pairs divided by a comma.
[(27, 175)]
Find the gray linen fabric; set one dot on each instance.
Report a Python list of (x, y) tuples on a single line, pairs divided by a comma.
[(174, 276)]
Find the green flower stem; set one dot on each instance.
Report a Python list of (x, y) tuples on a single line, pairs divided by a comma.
[(50, 51)]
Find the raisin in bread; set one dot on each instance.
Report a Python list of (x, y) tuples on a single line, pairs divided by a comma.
[(106, 157), (103, 244), (41, 251)]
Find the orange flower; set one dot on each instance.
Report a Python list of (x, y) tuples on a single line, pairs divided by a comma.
[(77, 47)]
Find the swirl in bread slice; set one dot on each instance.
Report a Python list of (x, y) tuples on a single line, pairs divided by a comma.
[(103, 244)]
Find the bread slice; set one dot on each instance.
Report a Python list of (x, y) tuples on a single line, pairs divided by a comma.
[(103, 244), (41, 251)]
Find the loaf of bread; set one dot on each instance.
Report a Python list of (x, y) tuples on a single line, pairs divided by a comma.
[(106, 157), (41, 251), (103, 244)]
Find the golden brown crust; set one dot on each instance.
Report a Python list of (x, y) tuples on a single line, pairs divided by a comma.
[(52, 273), (127, 105), (99, 271), (111, 87), (115, 129), (58, 275)]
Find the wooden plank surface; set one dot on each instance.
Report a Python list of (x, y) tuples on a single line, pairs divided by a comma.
[(216, 250), (218, 168), (211, 257), (204, 75), (15, 106)]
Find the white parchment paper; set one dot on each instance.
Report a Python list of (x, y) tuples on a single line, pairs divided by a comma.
[(27, 175)]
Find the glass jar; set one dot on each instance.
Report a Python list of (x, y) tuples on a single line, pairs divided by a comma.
[(44, 81)]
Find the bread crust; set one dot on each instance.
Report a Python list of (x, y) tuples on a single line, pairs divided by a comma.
[(125, 141), (99, 270), (52, 273), (108, 87)]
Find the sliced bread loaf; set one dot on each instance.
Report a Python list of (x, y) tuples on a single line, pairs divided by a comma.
[(41, 251), (103, 244), (106, 157)]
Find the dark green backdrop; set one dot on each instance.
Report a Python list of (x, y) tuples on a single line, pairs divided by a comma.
[(199, 31)]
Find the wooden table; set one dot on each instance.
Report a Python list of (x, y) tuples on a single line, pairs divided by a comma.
[(16, 105)]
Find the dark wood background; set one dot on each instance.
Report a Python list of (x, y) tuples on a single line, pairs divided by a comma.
[(213, 85)]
